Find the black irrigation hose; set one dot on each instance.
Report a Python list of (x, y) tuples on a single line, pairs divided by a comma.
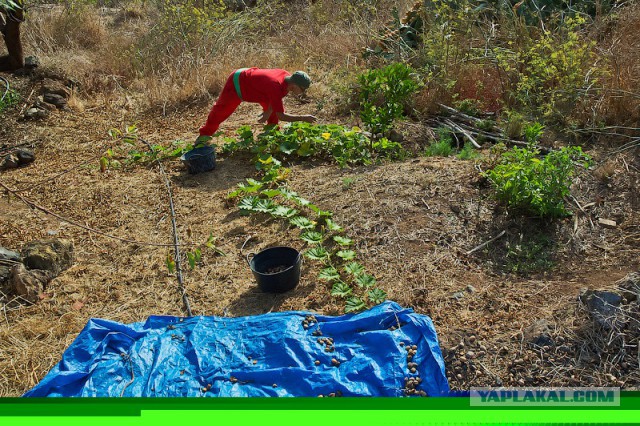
[(176, 243)]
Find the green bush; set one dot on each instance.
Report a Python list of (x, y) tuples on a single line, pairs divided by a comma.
[(443, 147), (533, 185), (383, 94)]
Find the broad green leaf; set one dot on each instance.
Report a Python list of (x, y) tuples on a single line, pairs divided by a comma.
[(343, 241), (282, 211), (317, 253), (289, 146), (248, 203), (354, 268), (312, 237), (346, 254), (340, 289), (333, 226), (305, 149), (354, 304), (301, 201), (329, 274), (287, 193), (302, 222), (365, 280), (265, 206), (271, 192), (377, 296)]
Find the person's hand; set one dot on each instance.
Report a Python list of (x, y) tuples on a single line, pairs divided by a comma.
[(202, 140), (309, 118), (265, 116)]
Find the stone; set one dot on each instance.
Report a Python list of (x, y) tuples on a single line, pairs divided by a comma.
[(5, 273), (395, 136), (28, 284), (538, 334), (36, 113), (11, 161), (471, 289), (629, 286), (603, 306), (53, 255), (31, 62), (55, 99), (457, 295), (25, 156), (54, 87), (6, 254)]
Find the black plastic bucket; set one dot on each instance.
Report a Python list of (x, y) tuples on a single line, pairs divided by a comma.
[(200, 160), (276, 269)]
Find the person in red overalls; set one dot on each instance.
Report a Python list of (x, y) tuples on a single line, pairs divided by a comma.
[(266, 87)]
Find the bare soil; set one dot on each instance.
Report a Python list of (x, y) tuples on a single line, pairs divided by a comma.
[(414, 222)]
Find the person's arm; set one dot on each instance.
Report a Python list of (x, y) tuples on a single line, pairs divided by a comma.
[(283, 116)]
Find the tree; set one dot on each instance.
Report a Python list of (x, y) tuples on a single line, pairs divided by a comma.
[(11, 16)]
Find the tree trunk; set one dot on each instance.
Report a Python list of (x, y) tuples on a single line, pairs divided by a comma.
[(11, 33)]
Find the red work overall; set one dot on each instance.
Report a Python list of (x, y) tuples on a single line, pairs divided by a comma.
[(263, 86)]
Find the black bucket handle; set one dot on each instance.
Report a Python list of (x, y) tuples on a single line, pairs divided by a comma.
[(252, 254), (248, 259)]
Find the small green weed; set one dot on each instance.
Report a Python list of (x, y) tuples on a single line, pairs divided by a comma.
[(347, 183), (10, 99), (443, 147), (468, 152), (531, 255)]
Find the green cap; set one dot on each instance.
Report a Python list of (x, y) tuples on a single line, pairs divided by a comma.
[(299, 78)]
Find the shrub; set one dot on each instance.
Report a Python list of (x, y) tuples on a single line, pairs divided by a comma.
[(383, 94), (443, 147), (533, 185)]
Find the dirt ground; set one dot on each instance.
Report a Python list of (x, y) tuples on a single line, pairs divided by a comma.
[(413, 222)]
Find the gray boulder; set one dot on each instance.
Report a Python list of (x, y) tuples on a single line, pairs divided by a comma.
[(11, 255), (604, 307)]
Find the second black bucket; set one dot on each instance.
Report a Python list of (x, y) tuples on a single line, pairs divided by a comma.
[(200, 160), (276, 269)]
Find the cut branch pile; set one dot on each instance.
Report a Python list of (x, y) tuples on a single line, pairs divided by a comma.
[(468, 128)]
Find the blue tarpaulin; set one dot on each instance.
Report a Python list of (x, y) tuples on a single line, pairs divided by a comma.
[(276, 354)]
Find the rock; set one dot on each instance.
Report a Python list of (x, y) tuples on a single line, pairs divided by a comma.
[(5, 272), (11, 161), (55, 99), (603, 306), (395, 136), (53, 255), (28, 284), (54, 87), (31, 62), (471, 289), (539, 333), (25, 156), (629, 286), (36, 113), (457, 295), (9, 255)]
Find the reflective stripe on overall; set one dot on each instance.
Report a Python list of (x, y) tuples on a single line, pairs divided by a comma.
[(236, 81)]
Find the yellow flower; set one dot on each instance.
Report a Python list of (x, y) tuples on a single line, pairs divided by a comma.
[(326, 136)]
